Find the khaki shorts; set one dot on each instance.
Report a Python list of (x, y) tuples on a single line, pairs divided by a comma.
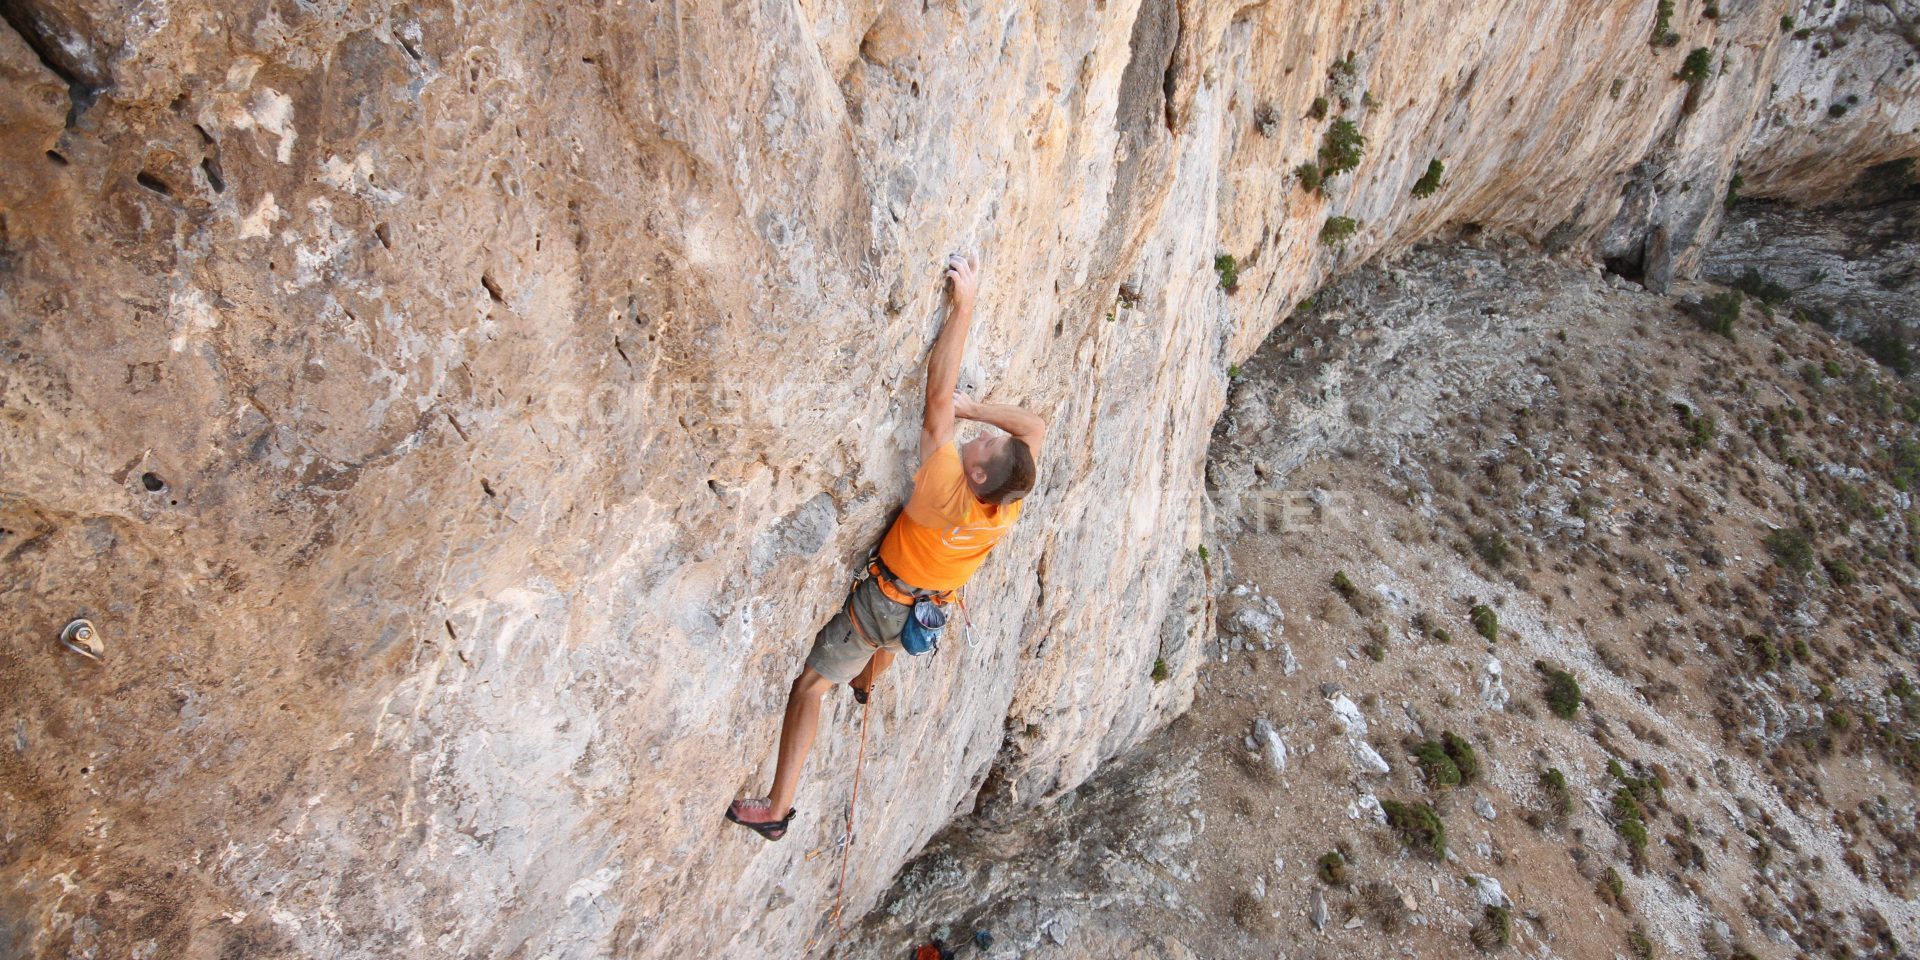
[(839, 652)]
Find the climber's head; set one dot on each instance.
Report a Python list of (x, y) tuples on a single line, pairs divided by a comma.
[(999, 468)]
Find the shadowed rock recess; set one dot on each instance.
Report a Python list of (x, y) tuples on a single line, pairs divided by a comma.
[(458, 419)]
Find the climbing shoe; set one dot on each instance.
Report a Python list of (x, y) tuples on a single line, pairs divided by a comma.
[(757, 815)]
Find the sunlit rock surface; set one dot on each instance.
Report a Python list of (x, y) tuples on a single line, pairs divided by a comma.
[(458, 420)]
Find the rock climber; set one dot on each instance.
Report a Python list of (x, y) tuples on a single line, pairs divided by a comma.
[(965, 497)]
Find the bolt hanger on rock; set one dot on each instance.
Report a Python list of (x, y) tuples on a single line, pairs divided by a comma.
[(82, 638)]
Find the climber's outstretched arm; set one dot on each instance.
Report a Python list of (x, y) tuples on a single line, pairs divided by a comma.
[(943, 364), (1025, 425)]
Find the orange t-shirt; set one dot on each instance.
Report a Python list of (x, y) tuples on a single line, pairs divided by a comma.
[(945, 531)]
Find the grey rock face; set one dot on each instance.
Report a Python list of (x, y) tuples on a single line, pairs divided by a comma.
[(518, 384), (1855, 271)]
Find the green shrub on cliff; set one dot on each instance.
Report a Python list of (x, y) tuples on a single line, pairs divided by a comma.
[(1228, 270), (1429, 181), (1563, 691), (1697, 67), (1419, 827), (1338, 230), (1341, 148), (1717, 313), (1663, 35), (1439, 768), (1485, 621), (1887, 348)]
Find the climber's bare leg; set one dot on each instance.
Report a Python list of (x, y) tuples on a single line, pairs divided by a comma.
[(882, 659), (796, 737)]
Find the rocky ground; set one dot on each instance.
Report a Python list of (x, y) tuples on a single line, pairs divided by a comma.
[(1551, 618)]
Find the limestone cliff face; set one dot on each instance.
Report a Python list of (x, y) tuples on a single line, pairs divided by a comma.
[(459, 419)]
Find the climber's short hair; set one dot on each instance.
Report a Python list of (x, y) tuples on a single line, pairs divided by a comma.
[(1010, 473)]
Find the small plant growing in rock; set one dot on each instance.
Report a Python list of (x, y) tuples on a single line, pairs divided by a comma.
[(1266, 120), (1382, 902), (1419, 827), (1663, 35), (1494, 930), (1629, 815), (1889, 350), (1250, 913), (1340, 150), (1716, 314), (1768, 293), (1309, 174), (1563, 691), (1786, 23), (1634, 832), (1429, 181), (1338, 230), (1616, 890), (1228, 270), (1626, 806), (1362, 602), (1485, 621), (1332, 870), (1766, 654), (1700, 430), (1641, 944), (1697, 67), (1439, 768), (1319, 109), (1839, 573), (1733, 191), (1462, 755), (1492, 547), (1645, 791), (1160, 672), (1791, 548), (1559, 797)]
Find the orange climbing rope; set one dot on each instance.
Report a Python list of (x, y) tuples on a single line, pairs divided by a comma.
[(846, 849)]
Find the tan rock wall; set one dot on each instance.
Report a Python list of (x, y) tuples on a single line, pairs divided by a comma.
[(520, 383)]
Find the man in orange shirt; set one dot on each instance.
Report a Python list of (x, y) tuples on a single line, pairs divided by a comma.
[(964, 500)]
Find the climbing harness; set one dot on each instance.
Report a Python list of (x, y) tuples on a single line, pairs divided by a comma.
[(920, 634)]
